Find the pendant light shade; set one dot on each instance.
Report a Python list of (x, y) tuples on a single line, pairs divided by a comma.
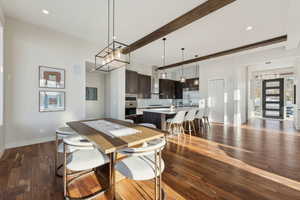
[(196, 82), (182, 78), (111, 57), (164, 73)]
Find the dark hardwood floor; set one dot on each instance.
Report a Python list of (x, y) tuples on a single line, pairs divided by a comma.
[(258, 161)]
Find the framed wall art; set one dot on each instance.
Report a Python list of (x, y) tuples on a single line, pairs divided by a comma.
[(51, 101), (91, 94), (51, 77)]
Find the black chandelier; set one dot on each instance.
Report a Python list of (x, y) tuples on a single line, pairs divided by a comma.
[(111, 57)]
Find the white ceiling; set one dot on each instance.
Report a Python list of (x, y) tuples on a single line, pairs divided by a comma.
[(220, 30)]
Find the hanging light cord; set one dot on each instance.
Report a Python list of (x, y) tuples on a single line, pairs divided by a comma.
[(114, 35), (108, 22), (108, 28), (182, 53), (197, 66), (164, 61)]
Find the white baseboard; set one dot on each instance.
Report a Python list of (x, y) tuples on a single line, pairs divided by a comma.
[(29, 142)]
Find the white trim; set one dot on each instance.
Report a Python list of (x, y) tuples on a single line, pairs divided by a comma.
[(29, 142)]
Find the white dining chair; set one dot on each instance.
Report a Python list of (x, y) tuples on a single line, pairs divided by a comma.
[(148, 125), (144, 163), (175, 125), (60, 134), (84, 158), (189, 120), (129, 121)]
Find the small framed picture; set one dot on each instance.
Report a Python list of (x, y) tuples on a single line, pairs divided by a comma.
[(52, 101), (51, 77), (91, 94)]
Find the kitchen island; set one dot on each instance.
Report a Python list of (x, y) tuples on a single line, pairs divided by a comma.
[(159, 116)]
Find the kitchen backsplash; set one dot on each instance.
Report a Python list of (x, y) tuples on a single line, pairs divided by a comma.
[(148, 102), (189, 98)]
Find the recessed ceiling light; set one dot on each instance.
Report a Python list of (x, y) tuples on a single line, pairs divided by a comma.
[(46, 12), (249, 28)]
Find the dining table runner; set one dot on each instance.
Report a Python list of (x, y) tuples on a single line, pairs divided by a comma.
[(111, 129)]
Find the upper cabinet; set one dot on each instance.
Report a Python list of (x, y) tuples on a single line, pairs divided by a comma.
[(144, 86), (138, 84), (178, 90), (190, 84), (166, 89), (131, 82), (170, 89)]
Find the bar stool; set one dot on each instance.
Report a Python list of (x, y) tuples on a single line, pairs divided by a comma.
[(144, 163), (148, 125), (85, 158), (200, 117), (189, 120), (60, 134), (176, 123)]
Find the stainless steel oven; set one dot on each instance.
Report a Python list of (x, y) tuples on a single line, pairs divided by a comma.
[(130, 104)]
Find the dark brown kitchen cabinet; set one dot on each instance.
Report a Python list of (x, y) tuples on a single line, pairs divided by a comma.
[(144, 86), (166, 89), (190, 84), (178, 90), (131, 82)]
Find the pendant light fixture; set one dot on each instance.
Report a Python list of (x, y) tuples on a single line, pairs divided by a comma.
[(164, 73), (111, 57), (196, 82), (182, 79)]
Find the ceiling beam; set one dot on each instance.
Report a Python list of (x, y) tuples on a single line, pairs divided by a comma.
[(193, 15), (230, 51)]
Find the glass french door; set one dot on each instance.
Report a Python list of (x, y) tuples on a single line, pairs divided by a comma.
[(273, 98)]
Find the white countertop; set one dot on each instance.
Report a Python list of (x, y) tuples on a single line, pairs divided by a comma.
[(168, 111)]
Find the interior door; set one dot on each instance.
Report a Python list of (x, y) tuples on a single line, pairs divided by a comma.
[(273, 98), (216, 100)]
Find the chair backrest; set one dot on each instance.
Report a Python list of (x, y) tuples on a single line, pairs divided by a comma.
[(190, 116), (150, 148), (65, 131), (179, 117), (148, 125), (77, 142), (200, 113), (129, 121)]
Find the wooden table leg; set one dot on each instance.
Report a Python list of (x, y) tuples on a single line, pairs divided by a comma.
[(112, 175), (163, 122)]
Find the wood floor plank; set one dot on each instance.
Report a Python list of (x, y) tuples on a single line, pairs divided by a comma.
[(258, 161)]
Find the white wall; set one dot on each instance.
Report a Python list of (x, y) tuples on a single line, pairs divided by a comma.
[(233, 69), (2, 71), (26, 47), (115, 94), (95, 109)]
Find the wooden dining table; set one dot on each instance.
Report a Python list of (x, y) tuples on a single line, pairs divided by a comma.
[(110, 145)]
